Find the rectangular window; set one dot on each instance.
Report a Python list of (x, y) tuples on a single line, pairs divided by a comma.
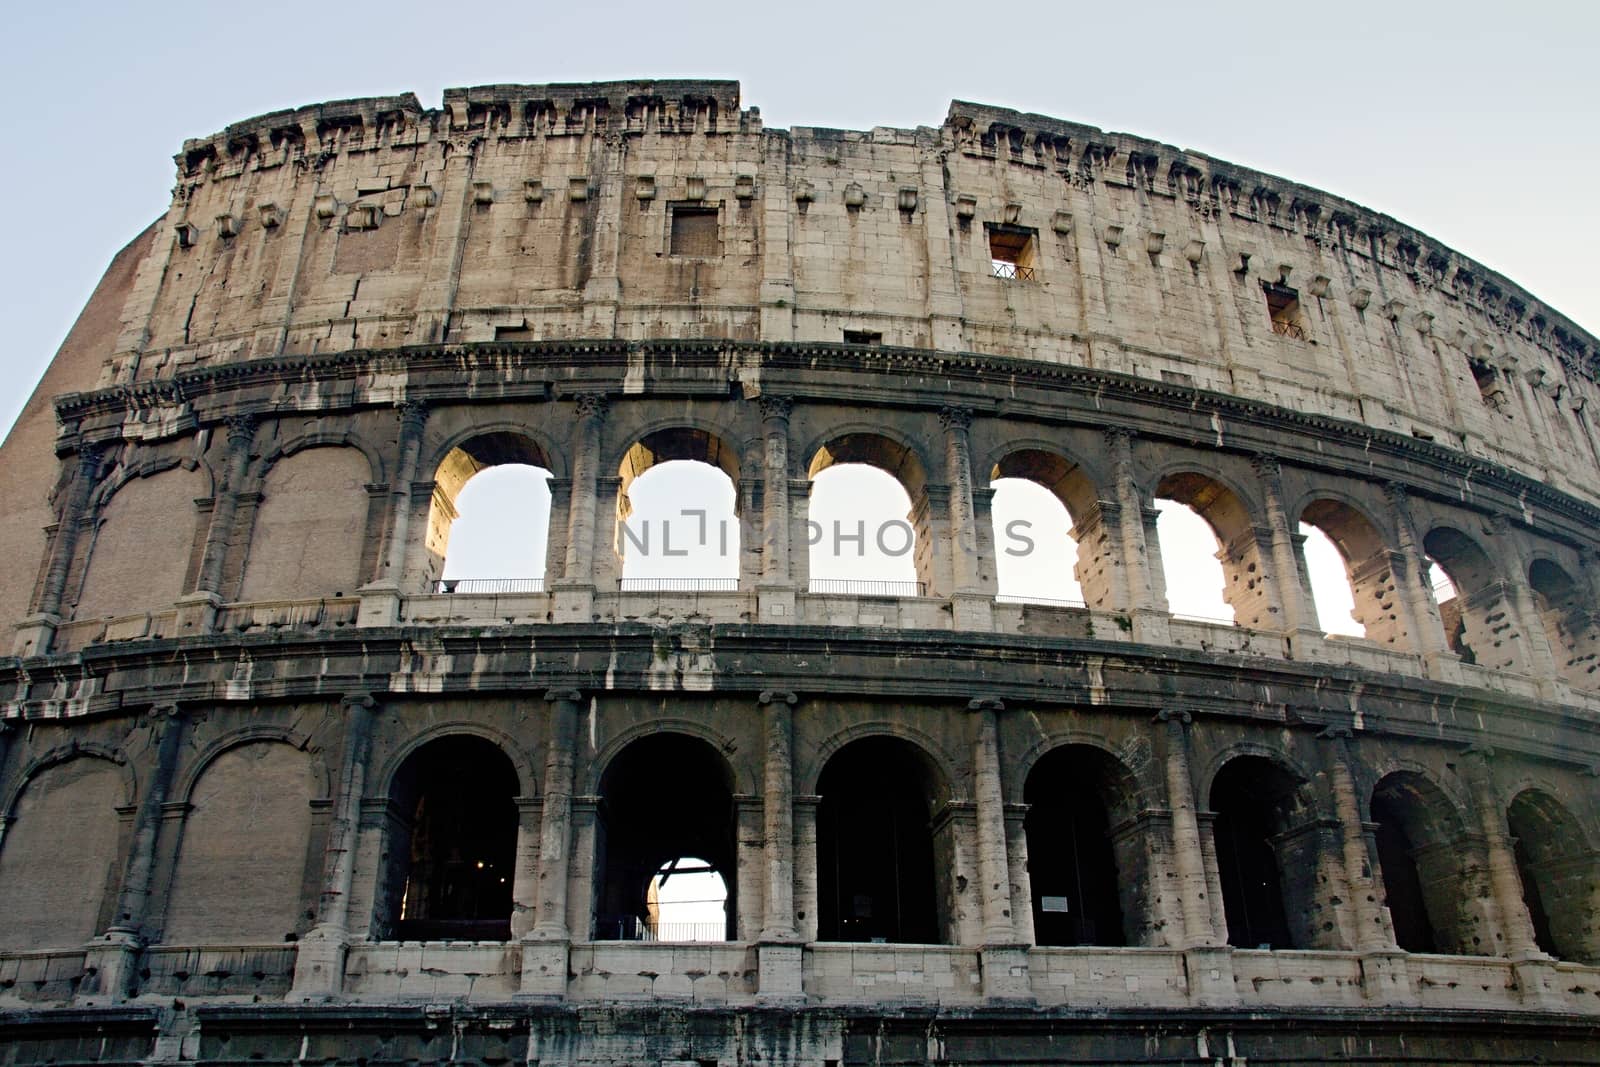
[(694, 231), (1011, 251), (863, 337), (1283, 306)]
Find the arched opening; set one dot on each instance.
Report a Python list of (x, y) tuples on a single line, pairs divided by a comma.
[(665, 798), (1037, 556), (1418, 840), (60, 850), (1350, 573), (452, 843), (1558, 870), (1210, 566), (868, 521), (876, 847), (489, 521), (1569, 621), (1472, 604), (687, 901), (678, 513), (1267, 864), (1076, 866)]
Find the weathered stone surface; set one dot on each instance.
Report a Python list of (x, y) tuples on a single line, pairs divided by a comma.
[(1097, 833)]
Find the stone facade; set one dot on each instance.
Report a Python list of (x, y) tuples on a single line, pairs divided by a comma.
[(246, 724)]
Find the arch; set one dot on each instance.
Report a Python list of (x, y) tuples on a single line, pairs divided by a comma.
[(1368, 572), (1081, 870), (183, 787), (500, 441), (469, 454), (1418, 838), (1066, 479), (244, 872), (739, 783), (1269, 852), (451, 841), (878, 850), (296, 443), (58, 886), (1137, 750), (664, 796), (1245, 566), (875, 446), (1569, 620), (1475, 616), (679, 439), (142, 548), (933, 750), (73, 750), (310, 528), (1560, 873), (708, 547), (521, 762)]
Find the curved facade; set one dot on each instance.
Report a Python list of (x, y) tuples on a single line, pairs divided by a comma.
[(276, 789)]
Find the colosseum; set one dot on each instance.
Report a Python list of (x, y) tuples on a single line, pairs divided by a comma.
[(279, 790)]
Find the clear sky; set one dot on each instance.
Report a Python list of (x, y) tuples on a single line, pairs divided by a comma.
[(1477, 123)]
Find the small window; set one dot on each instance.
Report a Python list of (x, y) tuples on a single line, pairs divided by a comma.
[(1283, 304), (694, 231), (1011, 252), (1490, 387), (863, 337)]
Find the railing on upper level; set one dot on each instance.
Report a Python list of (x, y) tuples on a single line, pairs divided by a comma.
[(678, 585), (1042, 601), (866, 587), (467, 586)]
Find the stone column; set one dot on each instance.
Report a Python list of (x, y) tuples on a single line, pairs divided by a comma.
[(1303, 633), (1541, 658), (525, 875), (1209, 960), (380, 599), (1148, 611), (974, 605), (241, 435), (776, 591), (806, 893), (1441, 662), (1021, 881), (36, 634), (574, 594), (1004, 957), (319, 965), (112, 957), (544, 949), (1534, 969), (1385, 977), (779, 953)]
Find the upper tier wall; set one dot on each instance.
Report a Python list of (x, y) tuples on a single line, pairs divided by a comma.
[(534, 212)]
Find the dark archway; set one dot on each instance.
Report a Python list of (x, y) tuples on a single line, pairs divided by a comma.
[(1558, 871), (663, 798), (1255, 801), (1073, 866), (453, 843), (875, 845), (1418, 841)]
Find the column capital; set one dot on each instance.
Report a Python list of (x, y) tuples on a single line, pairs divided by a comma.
[(1266, 465), (571, 696), (241, 427), (986, 704), (1180, 716), (89, 459), (777, 696), (592, 406), (358, 699), (1396, 493), (412, 413), (775, 408), (1335, 733), (954, 417), (160, 714)]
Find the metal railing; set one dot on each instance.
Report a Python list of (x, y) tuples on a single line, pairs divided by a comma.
[(1214, 620), (866, 587), (1045, 601), (1015, 271), (466, 586), (678, 585), (636, 928), (1288, 329)]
